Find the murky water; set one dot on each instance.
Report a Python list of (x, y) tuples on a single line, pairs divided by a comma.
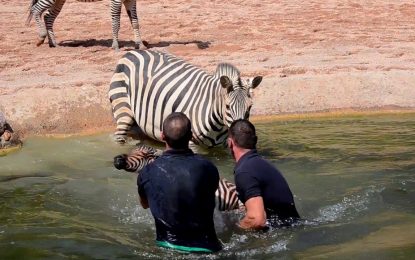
[(353, 180)]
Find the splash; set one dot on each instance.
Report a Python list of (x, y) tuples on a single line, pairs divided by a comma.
[(347, 209), (128, 211)]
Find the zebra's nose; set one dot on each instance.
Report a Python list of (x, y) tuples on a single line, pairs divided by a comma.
[(119, 162)]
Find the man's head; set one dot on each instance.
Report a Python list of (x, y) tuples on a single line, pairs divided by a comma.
[(177, 131), (242, 134)]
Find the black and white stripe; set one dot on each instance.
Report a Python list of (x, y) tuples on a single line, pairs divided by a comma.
[(148, 85), (226, 197), (136, 159), (53, 8)]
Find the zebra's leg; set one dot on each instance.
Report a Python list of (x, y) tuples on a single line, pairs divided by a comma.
[(131, 8), (124, 123), (36, 11), (50, 17), (115, 16)]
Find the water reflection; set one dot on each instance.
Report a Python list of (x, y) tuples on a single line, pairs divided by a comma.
[(353, 181)]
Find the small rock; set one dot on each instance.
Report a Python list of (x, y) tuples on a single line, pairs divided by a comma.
[(8, 138)]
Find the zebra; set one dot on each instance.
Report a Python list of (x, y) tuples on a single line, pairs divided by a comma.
[(149, 85), (53, 7), (226, 197)]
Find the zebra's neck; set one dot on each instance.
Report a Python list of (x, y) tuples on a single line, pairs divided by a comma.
[(224, 69), (218, 106)]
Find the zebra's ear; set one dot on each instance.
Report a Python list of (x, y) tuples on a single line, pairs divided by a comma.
[(226, 83), (256, 81)]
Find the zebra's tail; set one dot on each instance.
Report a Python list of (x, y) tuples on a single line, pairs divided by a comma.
[(29, 17)]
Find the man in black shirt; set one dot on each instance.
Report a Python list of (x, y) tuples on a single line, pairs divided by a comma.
[(179, 187), (260, 186)]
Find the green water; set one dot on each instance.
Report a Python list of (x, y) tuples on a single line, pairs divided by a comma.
[(353, 180)]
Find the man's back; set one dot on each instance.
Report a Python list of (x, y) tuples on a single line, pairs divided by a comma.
[(180, 188), (254, 176)]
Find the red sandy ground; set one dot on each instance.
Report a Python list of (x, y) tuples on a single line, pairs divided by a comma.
[(314, 55)]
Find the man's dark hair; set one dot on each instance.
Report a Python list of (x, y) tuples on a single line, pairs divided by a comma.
[(177, 130), (243, 133)]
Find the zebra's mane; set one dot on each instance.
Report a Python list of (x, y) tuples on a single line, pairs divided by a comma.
[(226, 69)]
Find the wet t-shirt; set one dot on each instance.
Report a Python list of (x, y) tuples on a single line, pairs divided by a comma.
[(254, 176), (180, 188)]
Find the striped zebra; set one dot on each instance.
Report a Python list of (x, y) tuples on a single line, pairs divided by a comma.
[(226, 197), (149, 85), (53, 8)]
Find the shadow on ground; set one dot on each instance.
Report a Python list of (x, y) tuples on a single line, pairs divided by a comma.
[(108, 43)]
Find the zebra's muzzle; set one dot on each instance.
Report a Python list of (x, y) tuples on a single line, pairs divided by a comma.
[(120, 162)]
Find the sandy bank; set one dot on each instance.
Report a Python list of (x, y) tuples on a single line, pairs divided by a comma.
[(314, 56)]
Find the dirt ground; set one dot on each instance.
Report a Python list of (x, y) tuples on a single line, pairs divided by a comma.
[(314, 55)]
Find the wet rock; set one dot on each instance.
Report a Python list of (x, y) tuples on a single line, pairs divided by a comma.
[(8, 138)]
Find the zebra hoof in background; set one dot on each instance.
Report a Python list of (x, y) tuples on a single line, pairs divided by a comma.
[(40, 41), (52, 44), (141, 45), (115, 46)]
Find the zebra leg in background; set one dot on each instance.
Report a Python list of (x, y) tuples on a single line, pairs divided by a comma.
[(131, 8), (50, 17), (36, 10), (115, 16)]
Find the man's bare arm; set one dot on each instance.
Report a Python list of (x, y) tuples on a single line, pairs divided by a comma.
[(255, 217)]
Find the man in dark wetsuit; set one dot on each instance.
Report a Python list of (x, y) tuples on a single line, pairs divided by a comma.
[(179, 187), (260, 186)]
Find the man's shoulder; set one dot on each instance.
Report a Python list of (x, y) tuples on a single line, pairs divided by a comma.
[(203, 165), (251, 161), (253, 165)]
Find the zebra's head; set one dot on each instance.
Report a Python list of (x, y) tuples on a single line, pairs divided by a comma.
[(136, 159), (238, 97)]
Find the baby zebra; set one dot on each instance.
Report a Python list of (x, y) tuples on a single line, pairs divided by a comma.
[(226, 196)]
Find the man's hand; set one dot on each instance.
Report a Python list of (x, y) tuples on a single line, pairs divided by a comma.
[(255, 217)]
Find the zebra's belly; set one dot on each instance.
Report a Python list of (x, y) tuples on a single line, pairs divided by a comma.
[(150, 119)]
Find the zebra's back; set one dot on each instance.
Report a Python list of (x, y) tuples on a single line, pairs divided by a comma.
[(153, 84)]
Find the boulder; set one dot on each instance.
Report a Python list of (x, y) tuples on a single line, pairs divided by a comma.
[(9, 140)]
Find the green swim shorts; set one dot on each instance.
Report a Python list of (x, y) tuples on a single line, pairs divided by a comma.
[(183, 248)]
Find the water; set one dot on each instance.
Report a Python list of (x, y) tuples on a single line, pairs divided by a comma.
[(353, 180)]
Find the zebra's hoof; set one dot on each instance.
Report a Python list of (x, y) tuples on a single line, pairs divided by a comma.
[(141, 46), (115, 46), (52, 44), (40, 42), (120, 140)]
